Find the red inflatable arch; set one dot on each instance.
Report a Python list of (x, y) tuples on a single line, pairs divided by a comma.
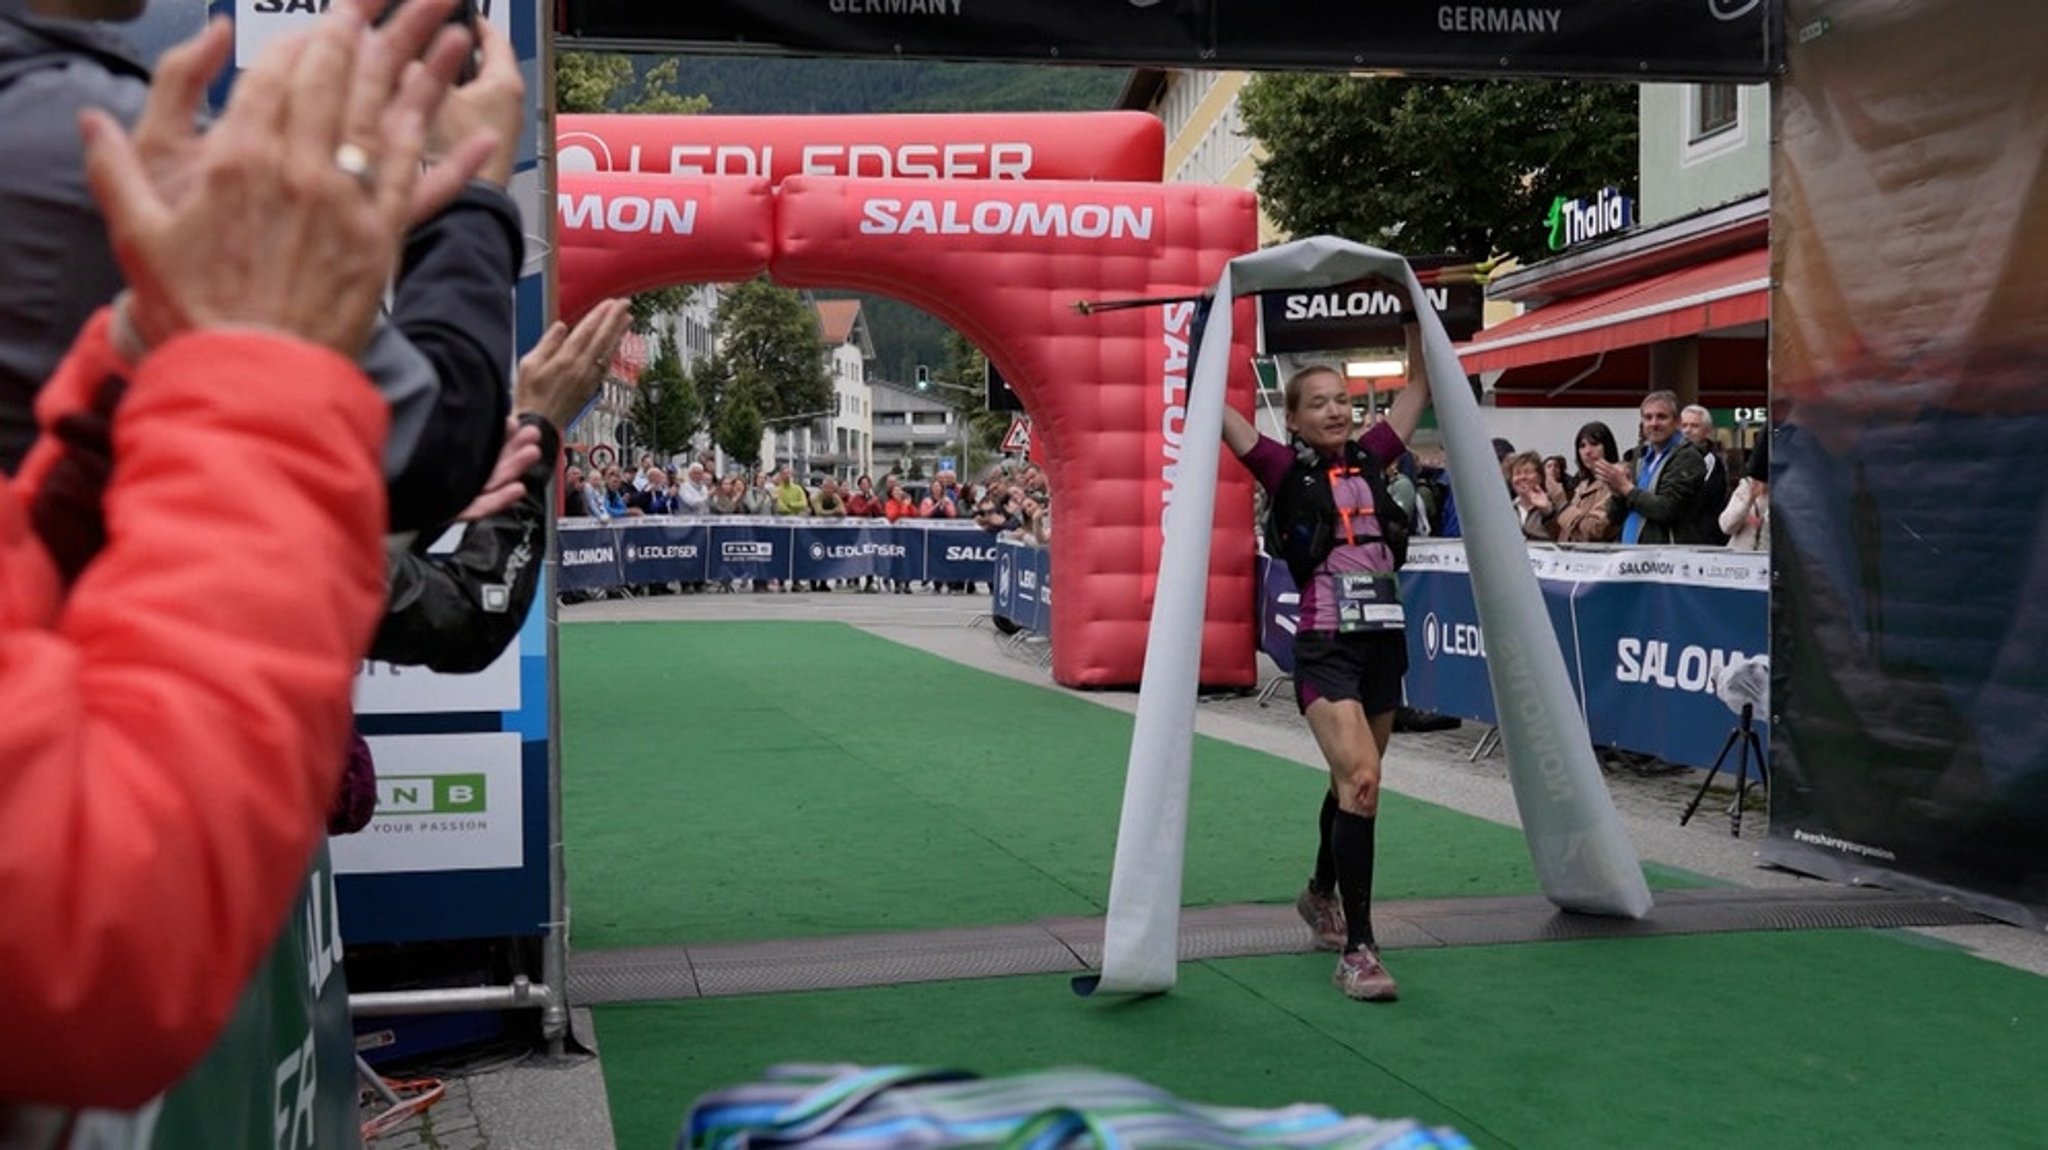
[(624, 234), (1002, 262), (997, 145)]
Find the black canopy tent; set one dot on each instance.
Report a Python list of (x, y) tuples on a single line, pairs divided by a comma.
[(1706, 40)]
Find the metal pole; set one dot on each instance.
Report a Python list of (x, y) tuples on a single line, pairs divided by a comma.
[(554, 955), (523, 993)]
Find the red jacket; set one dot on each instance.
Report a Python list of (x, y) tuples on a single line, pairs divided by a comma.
[(173, 725)]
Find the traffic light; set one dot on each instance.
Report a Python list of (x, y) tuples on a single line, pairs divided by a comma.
[(924, 378)]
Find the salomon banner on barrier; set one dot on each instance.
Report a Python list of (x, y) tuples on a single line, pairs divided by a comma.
[(1909, 342), (1620, 39)]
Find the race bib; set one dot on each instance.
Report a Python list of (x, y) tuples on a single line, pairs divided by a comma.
[(1369, 601)]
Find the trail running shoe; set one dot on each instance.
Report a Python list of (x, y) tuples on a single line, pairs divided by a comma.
[(1324, 916), (1360, 976)]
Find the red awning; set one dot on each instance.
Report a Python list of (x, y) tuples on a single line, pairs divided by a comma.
[(1728, 292)]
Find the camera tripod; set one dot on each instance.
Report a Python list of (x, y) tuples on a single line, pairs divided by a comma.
[(1743, 733)]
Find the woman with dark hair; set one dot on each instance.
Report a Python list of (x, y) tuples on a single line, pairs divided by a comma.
[(1591, 516)]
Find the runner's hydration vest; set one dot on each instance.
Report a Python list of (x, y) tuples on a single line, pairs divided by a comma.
[(1306, 525)]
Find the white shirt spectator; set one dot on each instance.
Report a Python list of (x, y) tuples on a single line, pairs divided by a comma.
[(693, 494)]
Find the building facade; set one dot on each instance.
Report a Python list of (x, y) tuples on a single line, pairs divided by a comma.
[(1205, 138), (914, 431), (1673, 290), (694, 328)]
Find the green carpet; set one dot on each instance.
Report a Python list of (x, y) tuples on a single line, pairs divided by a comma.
[(727, 781), (1822, 1040)]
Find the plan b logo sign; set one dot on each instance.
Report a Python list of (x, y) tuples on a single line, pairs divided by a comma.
[(432, 795), (746, 551)]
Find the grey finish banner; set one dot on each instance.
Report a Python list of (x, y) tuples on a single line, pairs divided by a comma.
[(1618, 39)]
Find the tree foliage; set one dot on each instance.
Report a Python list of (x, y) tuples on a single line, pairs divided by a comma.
[(1434, 166), (738, 430), (667, 407), (774, 346), (609, 82)]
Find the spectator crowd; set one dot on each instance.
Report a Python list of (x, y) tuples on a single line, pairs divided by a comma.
[(1677, 485), (1013, 502)]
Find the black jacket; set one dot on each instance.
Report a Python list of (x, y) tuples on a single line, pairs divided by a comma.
[(1668, 505), (443, 361), (455, 613)]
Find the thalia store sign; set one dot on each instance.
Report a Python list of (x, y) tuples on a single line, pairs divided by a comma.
[(1577, 221)]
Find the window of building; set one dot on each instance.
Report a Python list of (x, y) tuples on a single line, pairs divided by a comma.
[(1716, 108)]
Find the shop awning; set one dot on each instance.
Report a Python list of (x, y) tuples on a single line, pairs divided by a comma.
[(1728, 292)]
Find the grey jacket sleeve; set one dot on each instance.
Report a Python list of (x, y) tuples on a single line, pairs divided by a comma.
[(59, 266)]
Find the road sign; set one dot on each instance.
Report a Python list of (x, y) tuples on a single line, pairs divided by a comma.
[(1018, 440)]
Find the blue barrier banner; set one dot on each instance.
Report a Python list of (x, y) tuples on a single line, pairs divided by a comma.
[(1446, 648), (1033, 611), (854, 550), (596, 555), (959, 556), (1022, 585), (588, 557), (1645, 632), (1651, 650), (662, 551), (749, 549), (1003, 588)]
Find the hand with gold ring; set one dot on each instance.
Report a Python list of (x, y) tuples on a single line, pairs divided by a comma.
[(287, 214)]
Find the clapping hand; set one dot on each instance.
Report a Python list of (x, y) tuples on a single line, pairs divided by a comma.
[(1615, 476), (287, 214), (565, 369)]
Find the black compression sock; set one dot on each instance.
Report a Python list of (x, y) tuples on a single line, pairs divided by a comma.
[(1325, 878), (1351, 841)]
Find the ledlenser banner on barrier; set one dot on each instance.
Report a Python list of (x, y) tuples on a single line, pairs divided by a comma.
[(595, 555), (1022, 586)]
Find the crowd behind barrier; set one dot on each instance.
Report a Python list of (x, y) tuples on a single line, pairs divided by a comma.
[(597, 555), (1645, 631)]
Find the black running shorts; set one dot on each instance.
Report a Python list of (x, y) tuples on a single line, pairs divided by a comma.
[(1366, 667)]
